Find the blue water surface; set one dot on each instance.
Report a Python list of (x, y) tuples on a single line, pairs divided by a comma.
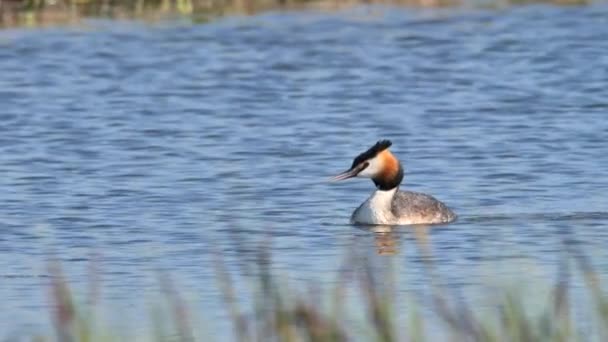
[(145, 149)]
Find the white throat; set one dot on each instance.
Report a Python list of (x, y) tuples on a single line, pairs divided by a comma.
[(377, 209)]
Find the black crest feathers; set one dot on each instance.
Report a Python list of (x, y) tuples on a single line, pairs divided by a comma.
[(372, 152)]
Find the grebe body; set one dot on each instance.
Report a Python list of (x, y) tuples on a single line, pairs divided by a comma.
[(388, 205)]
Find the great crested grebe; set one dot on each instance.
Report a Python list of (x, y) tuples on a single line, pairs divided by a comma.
[(388, 205)]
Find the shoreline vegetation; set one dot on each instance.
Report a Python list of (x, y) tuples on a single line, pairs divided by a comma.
[(41, 13), (286, 313)]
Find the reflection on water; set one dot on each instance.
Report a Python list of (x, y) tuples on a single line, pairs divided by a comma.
[(386, 240), (156, 146)]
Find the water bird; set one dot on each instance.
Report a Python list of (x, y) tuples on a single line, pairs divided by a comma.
[(388, 205)]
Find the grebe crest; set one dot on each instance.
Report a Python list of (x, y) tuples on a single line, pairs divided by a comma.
[(388, 205)]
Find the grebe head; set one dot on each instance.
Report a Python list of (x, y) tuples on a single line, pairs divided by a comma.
[(377, 163)]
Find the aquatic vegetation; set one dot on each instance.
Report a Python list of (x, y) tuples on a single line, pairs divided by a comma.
[(32, 13), (285, 314)]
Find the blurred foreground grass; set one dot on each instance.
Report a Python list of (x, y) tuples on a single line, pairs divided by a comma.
[(283, 314), (33, 13)]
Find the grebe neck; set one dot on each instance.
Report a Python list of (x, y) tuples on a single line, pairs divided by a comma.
[(390, 180)]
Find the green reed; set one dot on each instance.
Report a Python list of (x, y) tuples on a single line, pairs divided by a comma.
[(280, 313), (34, 13)]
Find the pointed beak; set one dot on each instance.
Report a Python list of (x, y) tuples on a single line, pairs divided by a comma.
[(345, 175)]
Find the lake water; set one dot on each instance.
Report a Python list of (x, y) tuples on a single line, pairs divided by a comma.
[(155, 146)]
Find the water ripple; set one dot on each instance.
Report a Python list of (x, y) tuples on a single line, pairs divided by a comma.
[(158, 145)]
